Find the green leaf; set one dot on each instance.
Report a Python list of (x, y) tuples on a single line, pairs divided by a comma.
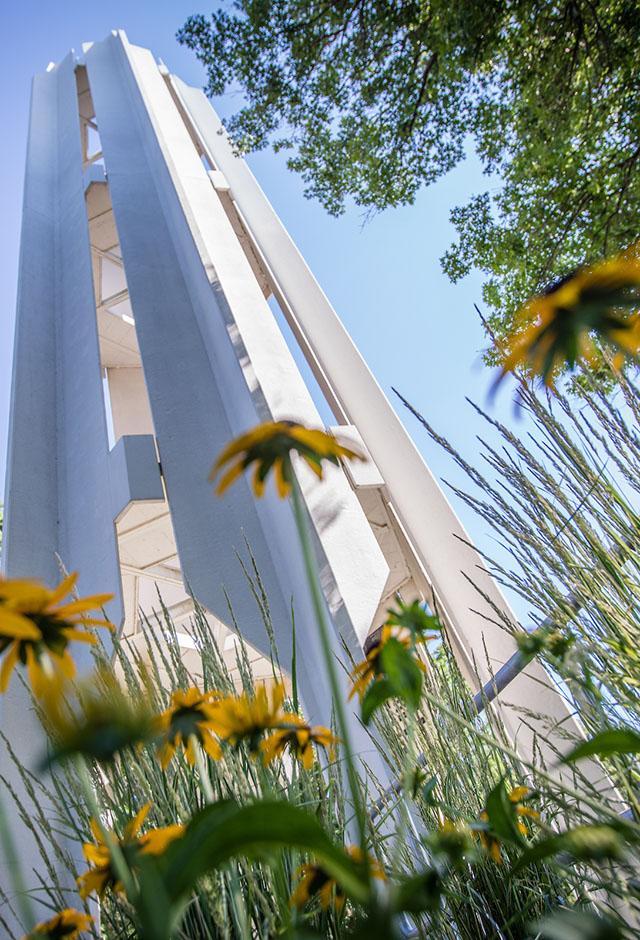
[(538, 852), (576, 925), (585, 843), (402, 672), (420, 892), (606, 743), (376, 695), (156, 915), (378, 923), (225, 829), (427, 791), (415, 618), (502, 815)]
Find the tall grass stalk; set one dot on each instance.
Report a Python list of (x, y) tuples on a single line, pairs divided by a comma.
[(562, 503)]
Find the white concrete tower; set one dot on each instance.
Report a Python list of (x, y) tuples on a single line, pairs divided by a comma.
[(146, 339)]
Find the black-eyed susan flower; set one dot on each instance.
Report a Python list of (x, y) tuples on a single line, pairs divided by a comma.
[(452, 842), (557, 327), (187, 722), (36, 629), (371, 668), (488, 839), (96, 719), (298, 738), (269, 446), (316, 883), (101, 874), (67, 925), (245, 717)]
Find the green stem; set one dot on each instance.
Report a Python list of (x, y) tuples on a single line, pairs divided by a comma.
[(203, 771), (327, 648), (239, 907), (15, 872), (116, 854), (405, 817)]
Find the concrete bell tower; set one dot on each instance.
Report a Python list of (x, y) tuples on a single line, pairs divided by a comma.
[(146, 339)]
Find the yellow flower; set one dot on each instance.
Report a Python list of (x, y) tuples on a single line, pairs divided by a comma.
[(36, 629), (269, 446), (453, 841), (489, 841), (187, 721), (555, 328), (101, 874), (96, 718), (315, 882), (371, 668), (244, 717), (299, 738), (66, 925)]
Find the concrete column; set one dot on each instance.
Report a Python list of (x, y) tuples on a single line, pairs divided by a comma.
[(58, 487)]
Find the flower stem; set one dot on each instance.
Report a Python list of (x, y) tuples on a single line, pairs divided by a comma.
[(404, 822), (205, 782), (327, 649), (15, 872)]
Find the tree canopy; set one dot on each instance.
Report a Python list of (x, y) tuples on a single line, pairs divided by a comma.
[(376, 98)]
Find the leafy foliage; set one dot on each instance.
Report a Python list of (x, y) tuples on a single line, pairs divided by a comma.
[(376, 99)]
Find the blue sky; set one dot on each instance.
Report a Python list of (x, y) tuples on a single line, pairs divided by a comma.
[(417, 331)]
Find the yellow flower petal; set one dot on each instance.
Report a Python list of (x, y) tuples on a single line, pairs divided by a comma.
[(156, 841), (306, 756), (96, 830), (211, 746), (282, 484), (79, 636), (65, 587), (84, 603), (258, 482), (133, 826), (518, 794), (92, 880), (229, 477), (9, 661), (18, 626), (256, 436), (316, 467), (22, 592)]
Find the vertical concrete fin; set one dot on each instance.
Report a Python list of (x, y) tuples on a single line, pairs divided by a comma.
[(31, 499), (57, 471), (58, 494), (234, 353)]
